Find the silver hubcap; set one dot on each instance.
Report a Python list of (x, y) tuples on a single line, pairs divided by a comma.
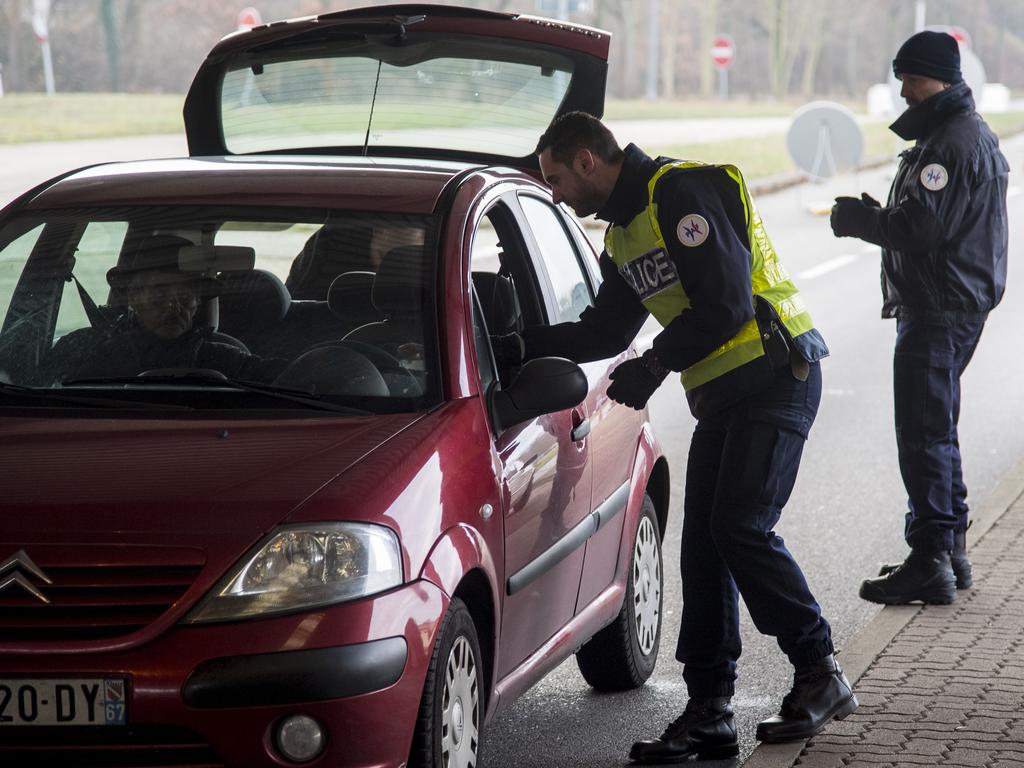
[(646, 586), (459, 708)]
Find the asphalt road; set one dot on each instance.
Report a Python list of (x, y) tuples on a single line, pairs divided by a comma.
[(846, 513)]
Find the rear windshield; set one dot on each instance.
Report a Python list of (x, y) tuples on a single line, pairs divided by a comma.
[(329, 307), (427, 94)]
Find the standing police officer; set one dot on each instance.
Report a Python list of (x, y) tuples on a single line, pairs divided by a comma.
[(943, 234), (686, 244)]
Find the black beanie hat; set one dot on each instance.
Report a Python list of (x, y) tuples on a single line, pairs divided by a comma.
[(932, 54)]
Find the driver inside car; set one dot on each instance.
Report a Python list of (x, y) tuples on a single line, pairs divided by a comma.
[(156, 332)]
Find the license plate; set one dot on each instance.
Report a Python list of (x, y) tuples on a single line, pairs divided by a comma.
[(77, 701)]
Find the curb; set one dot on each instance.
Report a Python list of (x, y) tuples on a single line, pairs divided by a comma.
[(863, 649)]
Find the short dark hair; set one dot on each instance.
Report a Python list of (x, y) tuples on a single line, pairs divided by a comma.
[(573, 131)]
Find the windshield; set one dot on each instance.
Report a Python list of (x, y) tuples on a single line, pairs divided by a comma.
[(307, 306), (466, 98)]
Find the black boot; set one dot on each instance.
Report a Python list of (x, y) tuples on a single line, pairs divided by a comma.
[(705, 729), (820, 692), (961, 564), (958, 559), (925, 577)]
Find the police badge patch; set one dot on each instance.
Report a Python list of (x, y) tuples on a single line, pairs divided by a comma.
[(692, 230), (934, 177)]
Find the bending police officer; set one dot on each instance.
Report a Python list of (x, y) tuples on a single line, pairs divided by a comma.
[(686, 245), (943, 233)]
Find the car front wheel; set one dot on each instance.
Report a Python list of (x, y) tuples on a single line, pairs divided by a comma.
[(623, 654), (450, 720)]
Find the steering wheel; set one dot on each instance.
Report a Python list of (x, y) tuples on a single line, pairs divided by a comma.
[(399, 380), (334, 370)]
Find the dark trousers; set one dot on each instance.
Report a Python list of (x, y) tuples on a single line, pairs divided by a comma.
[(742, 466), (930, 358)]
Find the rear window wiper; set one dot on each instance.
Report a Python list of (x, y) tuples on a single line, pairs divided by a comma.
[(216, 379)]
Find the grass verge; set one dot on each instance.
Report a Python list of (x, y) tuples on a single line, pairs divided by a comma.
[(37, 117), (765, 156)]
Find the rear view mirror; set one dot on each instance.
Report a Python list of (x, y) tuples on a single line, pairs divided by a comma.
[(544, 385), (216, 258)]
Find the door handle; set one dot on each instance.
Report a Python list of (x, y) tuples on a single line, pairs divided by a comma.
[(580, 431)]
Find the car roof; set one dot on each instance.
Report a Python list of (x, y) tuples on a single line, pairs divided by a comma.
[(371, 184)]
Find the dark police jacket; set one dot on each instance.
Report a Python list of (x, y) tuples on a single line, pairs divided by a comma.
[(716, 277), (944, 229)]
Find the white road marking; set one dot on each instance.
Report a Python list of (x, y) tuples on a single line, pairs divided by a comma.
[(838, 391), (644, 342), (827, 266)]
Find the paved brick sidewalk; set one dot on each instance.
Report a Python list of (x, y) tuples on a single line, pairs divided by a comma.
[(948, 690)]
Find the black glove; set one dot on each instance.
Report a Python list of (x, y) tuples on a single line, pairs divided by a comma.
[(851, 216), (634, 381), (869, 201), (508, 350)]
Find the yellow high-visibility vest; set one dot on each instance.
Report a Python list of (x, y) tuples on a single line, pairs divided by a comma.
[(640, 253)]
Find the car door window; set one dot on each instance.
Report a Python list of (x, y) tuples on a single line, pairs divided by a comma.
[(12, 261), (559, 258), (96, 253)]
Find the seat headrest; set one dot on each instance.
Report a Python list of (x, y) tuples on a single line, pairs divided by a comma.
[(336, 248), (351, 295), (500, 304), (251, 300), (400, 286)]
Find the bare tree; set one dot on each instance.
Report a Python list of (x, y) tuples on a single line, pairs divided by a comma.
[(708, 23)]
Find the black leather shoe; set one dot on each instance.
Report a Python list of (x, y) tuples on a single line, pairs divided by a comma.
[(957, 558), (925, 577), (820, 692), (705, 730)]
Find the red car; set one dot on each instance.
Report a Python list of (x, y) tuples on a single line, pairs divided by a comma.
[(265, 497)]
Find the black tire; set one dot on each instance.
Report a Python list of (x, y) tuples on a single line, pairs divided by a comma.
[(451, 716), (623, 654)]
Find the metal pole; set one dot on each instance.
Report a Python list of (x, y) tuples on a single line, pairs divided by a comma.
[(919, 14), (48, 67), (653, 30)]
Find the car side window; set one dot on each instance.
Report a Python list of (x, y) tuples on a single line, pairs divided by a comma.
[(13, 258), (505, 284), (97, 252), (559, 259)]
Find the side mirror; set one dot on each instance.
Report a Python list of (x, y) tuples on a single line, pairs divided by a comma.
[(544, 385)]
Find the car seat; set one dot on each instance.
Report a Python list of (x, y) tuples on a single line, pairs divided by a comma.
[(499, 302), (351, 299), (335, 248), (400, 293), (252, 304)]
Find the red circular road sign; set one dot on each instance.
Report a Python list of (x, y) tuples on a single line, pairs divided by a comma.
[(723, 51), (248, 18), (960, 35)]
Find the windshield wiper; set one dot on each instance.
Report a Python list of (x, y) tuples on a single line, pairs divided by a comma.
[(43, 393), (216, 379)]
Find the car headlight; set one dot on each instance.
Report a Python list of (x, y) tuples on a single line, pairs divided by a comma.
[(305, 566)]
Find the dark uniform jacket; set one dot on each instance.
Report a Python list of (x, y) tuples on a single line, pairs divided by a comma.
[(715, 276), (944, 229)]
